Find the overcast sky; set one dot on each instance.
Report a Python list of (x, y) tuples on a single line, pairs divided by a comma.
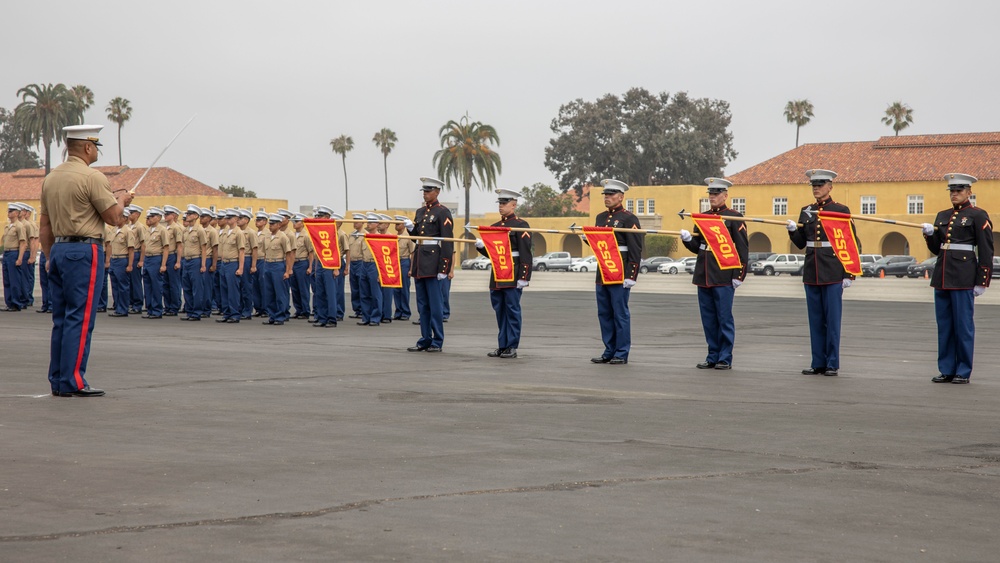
[(273, 82)]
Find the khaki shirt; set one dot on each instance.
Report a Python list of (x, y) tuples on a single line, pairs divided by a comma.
[(194, 239), (13, 234), (30, 229), (141, 233), (121, 240), (157, 240), (406, 247), (231, 242), (355, 244), (73, 197), (260, 243), (275, 246), (301, 248), (250, 239), (175, 234), (211, 239)]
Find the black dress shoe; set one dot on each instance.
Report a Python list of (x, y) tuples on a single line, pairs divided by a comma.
[(600, 360), (43, 311), (102, 309), (943, 378), (706, 365), (417, 348), (416, 322), (267, 322), (433, 348), (319, 325), (246, 318), (444, 320), (373, 324), (222, 320), (87, 391), (617, 361), (495, 353), (831, 373), (170, 314), (363, 323), (233, 321), (278, 323), (190, 318), (509, 353), (10, 309), (960, 379), (814, 371), (152, 316), (723, 365), (114, 314), (354, 316), (404, 318)]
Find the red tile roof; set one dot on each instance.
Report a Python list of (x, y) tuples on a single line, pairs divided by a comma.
[(27, 184), (907, 158)]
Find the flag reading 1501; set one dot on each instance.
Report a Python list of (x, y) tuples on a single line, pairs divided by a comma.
[(839, 231), (385, 249), (323, 234), (718, 240), (609, 258), (497, 243)]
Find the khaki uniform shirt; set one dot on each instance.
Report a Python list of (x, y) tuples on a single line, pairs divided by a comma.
[(13, 234), (231, 241), (158, 239), (73, 197), (260, 243), (30, 229), (355, 242), (175, 232), (141, 233), (275, 246), (121, 240), (211, 239), (301, 250), (250, 239), (194, 239), (406, 247)]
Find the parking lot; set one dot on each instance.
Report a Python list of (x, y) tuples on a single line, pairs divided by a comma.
[(256, 443)]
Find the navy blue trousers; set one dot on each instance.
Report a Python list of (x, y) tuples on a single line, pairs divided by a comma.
[(230, 289), (401, 295), (615, 320), (325, 296), (121, 285), (247, 282), (43, 281), (507, 305), (29, 278), (12, 281), (300, 287), (207, 279), (825, 306), (75, 271), (954, 309), (152, 285), (429, 307), (274, 293), (258, 290), (371, 294), (102, 295), (136, 284), (192, 282), (446, 297), (172, 286), (357, 270), (216, 293), (716, 306), (339, 283)]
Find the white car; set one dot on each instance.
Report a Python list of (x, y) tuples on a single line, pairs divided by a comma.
[(588, 264), (481, 263), (678, 266)]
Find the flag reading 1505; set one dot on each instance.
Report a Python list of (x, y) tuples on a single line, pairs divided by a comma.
[(324, 234), (609, 258), (497, 241), (837, 227), (385, 249), (718, 240)]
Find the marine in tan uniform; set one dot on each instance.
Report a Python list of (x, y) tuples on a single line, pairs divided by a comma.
[(260, 222), (141, 233), (278, 258), (248, 279), (232, 249), (157, 249), (194, 262), (15, 242), (210, 224), (119, 261), (355, 242)]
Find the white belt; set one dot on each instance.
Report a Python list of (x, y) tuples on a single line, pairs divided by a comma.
[(953, 246), (430, 242), (819, 244), (623, 248), (515, 253), (704, 247)]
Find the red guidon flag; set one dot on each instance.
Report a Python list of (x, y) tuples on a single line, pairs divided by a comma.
[(385, 249), (323, 234), (609, 259), (719, 241), (497, 241), (838, 230)]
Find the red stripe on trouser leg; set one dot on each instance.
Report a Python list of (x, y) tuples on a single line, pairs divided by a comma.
[(86, 318)]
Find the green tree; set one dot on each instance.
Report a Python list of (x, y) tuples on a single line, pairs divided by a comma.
[(543, 201), (15, 154), (83, 99), (899, 116), (119, 111), (798, 112), (466, 156), (237, 191), (44, 110), (640, 138), (343, 145), (659, 245), (385, 140)]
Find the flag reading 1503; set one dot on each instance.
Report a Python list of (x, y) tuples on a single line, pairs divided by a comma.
[(497, 241), (837, 227), (609, 258), (385, 249), (718, 240), (324, 234)]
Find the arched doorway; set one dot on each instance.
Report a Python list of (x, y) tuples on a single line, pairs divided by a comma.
[(538, 246), (895, 243), (760, 243), (572, 244)]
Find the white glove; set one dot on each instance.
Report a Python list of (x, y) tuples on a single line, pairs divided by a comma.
[(791, 226), (846, 283), (408, 224), (737, 283), (685, 235), (928, 229), (628, 284), (978, 290), (480, 243), (442, 276), (521, 284)]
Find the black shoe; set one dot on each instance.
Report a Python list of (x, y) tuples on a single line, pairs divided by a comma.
[(444, 320), (417, 348), (355, 316), (723, 365), (43, 311), (170, 314), (509, 353), (10, 309), (278, 323), (222, 320), (814, 371), (246, 318), (87, 391), (340, 319), (617, 361), (960, 379), (386, 320), (102, 309), (332, 324), (373, 324), (112, 314), (706, 365), (943, 378), (416, 322), (404, 318), (152, 316), (268, 322), (495, 353), (398, 319), (600, 360), (319, 325), (433, 348), (206, 315), (190, 318), (233, 321), (363, 323), (831, 373)]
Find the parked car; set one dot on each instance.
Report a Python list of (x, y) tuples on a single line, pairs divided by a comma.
[(758, 256), (588, 264), (996, 267), (653, 263), (552, 261), (917, 270), (675, 266), (689, 263), (467, 264), (894, 265), (778, 264)]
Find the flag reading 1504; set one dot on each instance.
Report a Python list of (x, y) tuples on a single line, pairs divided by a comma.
[(497, 241), (718, 240), (609, 259), (323, 234), (837, 227), (385, 249)]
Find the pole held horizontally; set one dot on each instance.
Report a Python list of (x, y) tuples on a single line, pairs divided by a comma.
[(155, 160), (682, 215), (530, 230), (574, 227), (880, 220)]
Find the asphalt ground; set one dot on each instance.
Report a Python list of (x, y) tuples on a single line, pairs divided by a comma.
[(256, 443)]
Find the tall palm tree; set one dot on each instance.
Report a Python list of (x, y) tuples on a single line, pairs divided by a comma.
[(119, 110), (385, 140), (899, 116), (343, 145), (466, 156), (798, 112), (44, 110), (84, 99)]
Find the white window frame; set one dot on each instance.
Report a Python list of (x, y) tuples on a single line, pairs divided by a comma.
[(704, 205), (869, 205), (915, 204), (972, 199), (779, 205), (739, 204), (640, 207), (629, 206), (651, 206)]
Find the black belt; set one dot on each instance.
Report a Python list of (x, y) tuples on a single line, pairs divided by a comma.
[(88, 240)]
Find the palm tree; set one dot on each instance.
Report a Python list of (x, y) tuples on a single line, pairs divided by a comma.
[(119, 110), (84, 98), (466, 156), (343, 145), (798, 112), (899, 116), (385, 140), (43, 112)]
